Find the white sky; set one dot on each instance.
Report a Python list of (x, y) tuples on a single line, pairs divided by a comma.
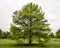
[(50, 7)]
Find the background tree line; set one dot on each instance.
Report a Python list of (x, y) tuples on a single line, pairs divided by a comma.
[(4, 35)]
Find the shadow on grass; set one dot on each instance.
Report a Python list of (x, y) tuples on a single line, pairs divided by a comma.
[(23, 46), (37, 45)]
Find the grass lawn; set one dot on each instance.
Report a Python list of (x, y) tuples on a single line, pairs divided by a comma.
[(7, 43)]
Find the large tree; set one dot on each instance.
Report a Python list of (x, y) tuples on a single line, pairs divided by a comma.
[(31, 23)]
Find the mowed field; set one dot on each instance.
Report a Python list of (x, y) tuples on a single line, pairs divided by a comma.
[(8, 43)]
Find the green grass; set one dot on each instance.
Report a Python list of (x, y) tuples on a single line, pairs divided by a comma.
[(8, 43)]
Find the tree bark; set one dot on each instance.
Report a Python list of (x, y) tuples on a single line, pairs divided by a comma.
[(30, 40), (30, 32)]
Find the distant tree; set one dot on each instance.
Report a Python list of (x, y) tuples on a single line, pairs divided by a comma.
[(51, 35), (58, 33), (0, 33), (5, 35), (30, 23), (8, 34)]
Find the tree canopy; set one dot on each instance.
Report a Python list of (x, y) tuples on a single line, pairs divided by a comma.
[(30, 23)]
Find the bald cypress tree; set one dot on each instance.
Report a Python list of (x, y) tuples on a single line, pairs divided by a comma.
[(30, 20)]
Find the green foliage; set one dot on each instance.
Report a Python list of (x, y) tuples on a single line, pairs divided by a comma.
[(51, 35), (31, 23), (16, 32), (58, 33), (0, 33), (3, 35), (6, 35)]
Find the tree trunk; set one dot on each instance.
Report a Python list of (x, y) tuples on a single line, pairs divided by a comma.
[(30, 31), (30, 40)]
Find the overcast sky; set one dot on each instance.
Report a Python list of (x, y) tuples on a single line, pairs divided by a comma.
[(50, 7)]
